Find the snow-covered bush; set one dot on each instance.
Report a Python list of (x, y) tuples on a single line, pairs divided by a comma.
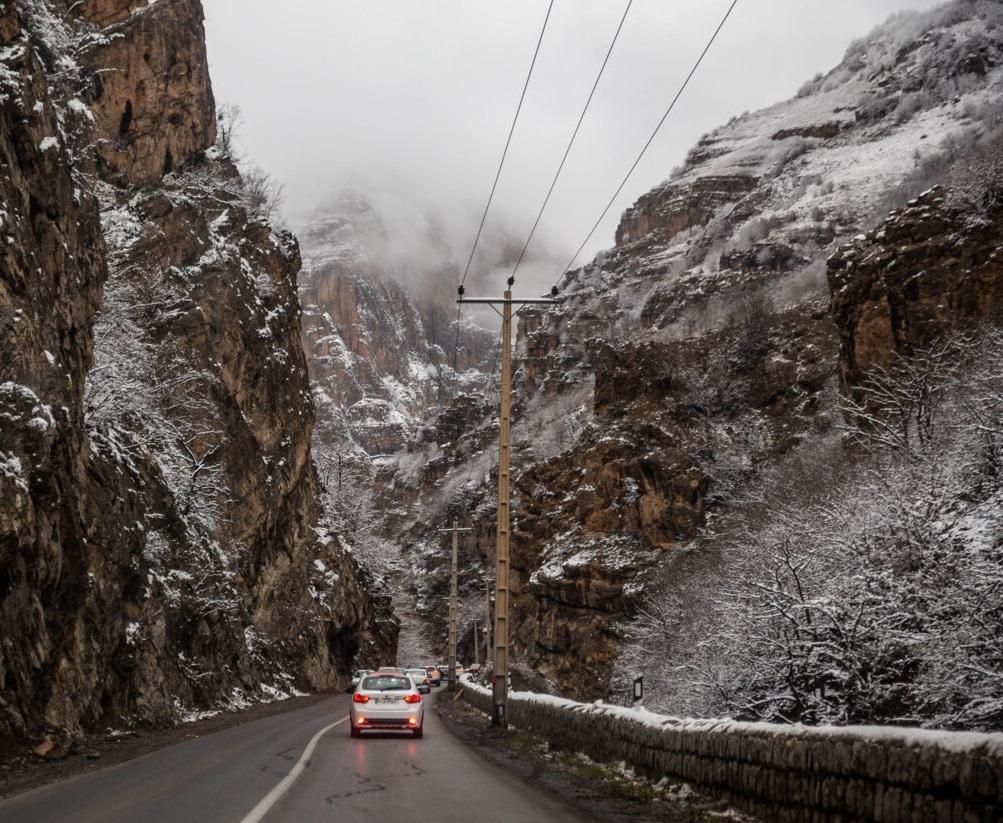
[(262, 195), (870, 584)]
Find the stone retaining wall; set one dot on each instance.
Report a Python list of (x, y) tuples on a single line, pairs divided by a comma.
[(889, 774)]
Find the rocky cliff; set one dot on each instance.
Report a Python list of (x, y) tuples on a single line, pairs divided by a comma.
[(932, 268), (695, 356), (163, 549), (384, 355), (379, 330)]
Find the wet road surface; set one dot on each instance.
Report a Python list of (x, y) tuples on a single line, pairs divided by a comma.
[(226, 776)]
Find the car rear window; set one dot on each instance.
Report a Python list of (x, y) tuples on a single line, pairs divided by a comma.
[(386, 683)]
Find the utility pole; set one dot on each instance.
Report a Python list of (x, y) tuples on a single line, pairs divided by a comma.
[(451, 662), (487, 623), (501, 633), (476, 650)]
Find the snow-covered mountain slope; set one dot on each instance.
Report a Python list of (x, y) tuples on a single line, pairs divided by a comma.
[(766, 197), (378, 332), (700, 350), (162, 551)]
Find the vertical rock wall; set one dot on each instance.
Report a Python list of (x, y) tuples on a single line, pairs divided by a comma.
[(162, 549)]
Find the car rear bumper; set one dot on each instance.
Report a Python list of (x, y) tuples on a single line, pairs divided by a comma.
[(385, 723), (398, 719)]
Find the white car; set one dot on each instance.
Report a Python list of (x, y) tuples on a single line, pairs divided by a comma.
[(387, 701), (356, 677), (420, 678)]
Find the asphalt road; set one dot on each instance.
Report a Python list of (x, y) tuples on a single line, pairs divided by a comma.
[(227, 776)]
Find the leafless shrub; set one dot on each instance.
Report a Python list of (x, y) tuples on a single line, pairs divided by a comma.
[(229, 123), (978, 182), (898, 407), (870, 589), (262, 194), (748, 329)]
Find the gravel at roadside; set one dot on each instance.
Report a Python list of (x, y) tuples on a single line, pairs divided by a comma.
[(21, 769), (598, 791)]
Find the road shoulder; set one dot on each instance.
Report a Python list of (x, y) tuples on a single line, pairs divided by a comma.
[(21, 770), (596, 791)]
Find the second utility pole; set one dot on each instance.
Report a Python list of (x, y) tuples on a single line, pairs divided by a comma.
[(499, 675), (451, 662), (487, 624)]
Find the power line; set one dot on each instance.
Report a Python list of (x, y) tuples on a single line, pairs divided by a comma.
[(651, 139), (508, 141), (494, 186), (571, 142)]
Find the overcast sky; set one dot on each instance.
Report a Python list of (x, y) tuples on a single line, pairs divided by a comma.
[(410, 100)]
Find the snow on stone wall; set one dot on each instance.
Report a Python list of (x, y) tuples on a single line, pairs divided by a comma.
[(784, 772)]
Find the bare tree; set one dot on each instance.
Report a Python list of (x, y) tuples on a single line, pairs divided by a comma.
[(229, 124), (873, 595)]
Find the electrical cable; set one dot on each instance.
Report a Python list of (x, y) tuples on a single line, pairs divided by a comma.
[(650, 140), (494, 186), (574, 134), (508, 141)]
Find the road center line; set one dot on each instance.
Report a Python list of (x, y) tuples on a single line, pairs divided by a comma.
[(257, 814)]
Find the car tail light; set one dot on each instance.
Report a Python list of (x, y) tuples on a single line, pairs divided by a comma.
[(412, 698), (360, 698)]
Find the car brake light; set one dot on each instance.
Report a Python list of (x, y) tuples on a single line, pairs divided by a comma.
[(412, 698), (360, 698)]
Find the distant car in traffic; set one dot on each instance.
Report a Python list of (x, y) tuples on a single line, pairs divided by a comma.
[(356, 677), (387, 702), (434, 677), (420, 678), (443, 669)]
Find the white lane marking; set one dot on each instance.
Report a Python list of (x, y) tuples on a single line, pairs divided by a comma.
[(257, 814)]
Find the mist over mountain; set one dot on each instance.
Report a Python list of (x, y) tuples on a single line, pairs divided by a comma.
[(709, 357), (757, 447), (410, 103)]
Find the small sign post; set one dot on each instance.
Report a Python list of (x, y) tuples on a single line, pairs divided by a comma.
[(638, 688)]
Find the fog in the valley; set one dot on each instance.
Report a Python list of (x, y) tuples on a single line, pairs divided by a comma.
[(409, 102)]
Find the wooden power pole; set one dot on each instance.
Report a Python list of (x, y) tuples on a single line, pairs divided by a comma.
[(451, 662), (487, 624), (501, 632)]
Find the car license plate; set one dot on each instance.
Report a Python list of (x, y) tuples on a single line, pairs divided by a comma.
[(386, 700)]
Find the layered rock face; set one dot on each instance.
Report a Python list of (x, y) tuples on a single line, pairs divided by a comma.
[(928, 270), (381, 345), (662, 215), (162, 545), (693, 356), (53, 267), (380, 352), (150, 92)]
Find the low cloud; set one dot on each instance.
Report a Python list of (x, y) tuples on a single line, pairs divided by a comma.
[(410, 103)]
